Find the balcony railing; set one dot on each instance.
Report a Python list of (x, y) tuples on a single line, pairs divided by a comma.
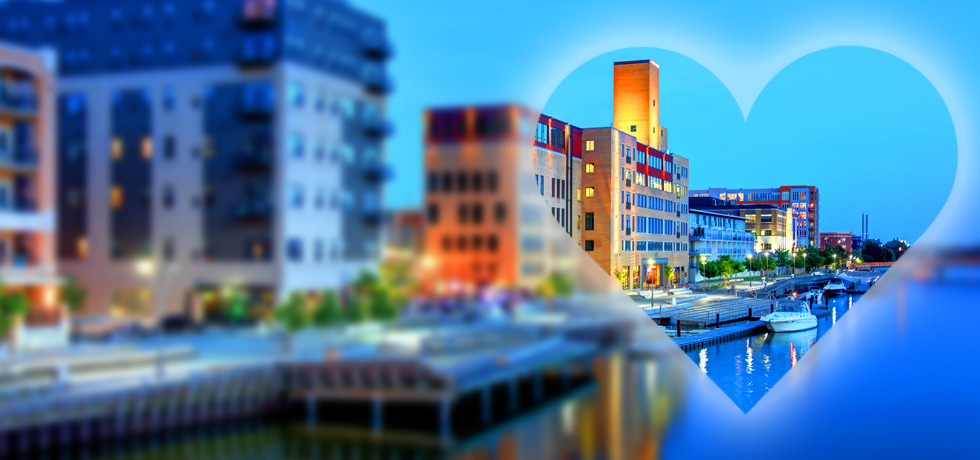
[(257, 103), (258, 13), (378, 84), (253, 162), (252, 211), (377, 172), (18, 98), (21, 158), (257, 50), (376, 47), (376, 127), (372, 217)]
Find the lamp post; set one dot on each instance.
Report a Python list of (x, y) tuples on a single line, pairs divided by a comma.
[(804, 261), (835, 264), (147, 268)]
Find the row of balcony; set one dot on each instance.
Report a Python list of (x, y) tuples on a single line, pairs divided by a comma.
[(21, 158), (18, 98)]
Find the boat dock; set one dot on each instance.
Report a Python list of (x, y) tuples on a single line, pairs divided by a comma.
[(694, 342)]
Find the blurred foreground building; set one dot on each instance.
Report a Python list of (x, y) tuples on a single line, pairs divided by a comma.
[(621, 199), (212, 144), (804, 200), (28, 264)]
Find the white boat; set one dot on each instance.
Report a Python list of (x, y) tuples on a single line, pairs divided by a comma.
[(813, 297), (835, 287), (791, 316)]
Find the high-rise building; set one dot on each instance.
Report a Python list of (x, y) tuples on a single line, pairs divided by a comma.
[(804, 200), (213, 144), (28, 265)]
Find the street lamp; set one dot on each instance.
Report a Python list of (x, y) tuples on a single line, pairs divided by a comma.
[(804, 261), (835, 264)]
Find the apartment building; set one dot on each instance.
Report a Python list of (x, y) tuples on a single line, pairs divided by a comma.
[(714, 235), (842, 239), (28, 264), (803, 200), (207, 145), (771, 226)]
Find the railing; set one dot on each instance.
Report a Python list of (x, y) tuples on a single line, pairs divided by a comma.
[(17, 97), (376, 127), (378, 84), (259, 49), (377, 172), (250, 162), (252, 211)]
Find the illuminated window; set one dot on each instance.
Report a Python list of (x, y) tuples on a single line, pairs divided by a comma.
[(589, 146), (578, 194), (589, 167), (117, 148), (589, 192), (147, 148), (116, 197), (81, 245)]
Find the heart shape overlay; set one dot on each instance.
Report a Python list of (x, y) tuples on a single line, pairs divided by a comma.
[(863, 126)]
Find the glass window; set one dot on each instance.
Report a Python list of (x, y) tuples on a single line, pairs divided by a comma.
[(294, 249), (590, 245), (589, 192), (589, 168), (589, 146)]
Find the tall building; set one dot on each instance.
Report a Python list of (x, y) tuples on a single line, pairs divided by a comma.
[(771, 226), (28, 264), (211, 144), (635, 221), (804, 200)]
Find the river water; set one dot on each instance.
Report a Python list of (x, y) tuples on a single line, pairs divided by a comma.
[(747, 368)]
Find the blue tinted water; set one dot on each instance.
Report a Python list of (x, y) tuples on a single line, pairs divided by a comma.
[(747, 368)]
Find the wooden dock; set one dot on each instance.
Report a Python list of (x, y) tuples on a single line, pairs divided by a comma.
[(697, 341)]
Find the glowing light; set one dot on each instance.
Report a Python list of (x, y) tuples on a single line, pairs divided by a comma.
[(703, 360), (146, 267)]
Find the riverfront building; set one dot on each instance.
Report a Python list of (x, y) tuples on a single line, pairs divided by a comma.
[(211, 144), (716, 234), (842, 239), (804, 200), (28, 264), (771, 226), (486, 224)]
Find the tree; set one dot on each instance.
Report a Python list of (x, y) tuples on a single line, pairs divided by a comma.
[(327, 312), (898, 247), (292, 313), (555, 285), (622, 277), (359, 309), (781, 258), (73, 295), (708, 269), (382, 306), (12, 306), (235, 304), (670, 275)]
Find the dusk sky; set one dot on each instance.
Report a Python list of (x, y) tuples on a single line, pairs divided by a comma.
[(864, 126)]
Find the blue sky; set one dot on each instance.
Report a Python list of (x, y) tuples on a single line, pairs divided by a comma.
[(865, 126)]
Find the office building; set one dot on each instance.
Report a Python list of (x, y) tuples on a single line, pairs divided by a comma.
[(842, 239), (208, 145), (804, 200), (771, 226), (714, 235), (28, 265)]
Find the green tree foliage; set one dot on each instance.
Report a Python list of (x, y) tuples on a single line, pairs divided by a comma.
[(781, 258), (12, 306), (555, 285), (382, 305), (73, 295), (359, 309), (292, 313), (327, 312), (235, 304), (898, 247), (622, 277), (875, 252)]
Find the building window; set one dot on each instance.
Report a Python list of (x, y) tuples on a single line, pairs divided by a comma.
[(117, 148), (632, 128), (296, 196), (81, 246), (295, 94), (590, 221), (294, 250), (589, 146), (168, 249), (500, 213), (589, 192), (169, 147), (146, 148), (589, 168), (116, 198), (541, 134), (432, 211), (590, 245), (168, 197)]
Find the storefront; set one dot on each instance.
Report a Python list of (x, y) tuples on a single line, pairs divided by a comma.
[(653, 272)]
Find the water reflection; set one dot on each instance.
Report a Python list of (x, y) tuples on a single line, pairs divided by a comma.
[(623, 414), (733, 364)]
